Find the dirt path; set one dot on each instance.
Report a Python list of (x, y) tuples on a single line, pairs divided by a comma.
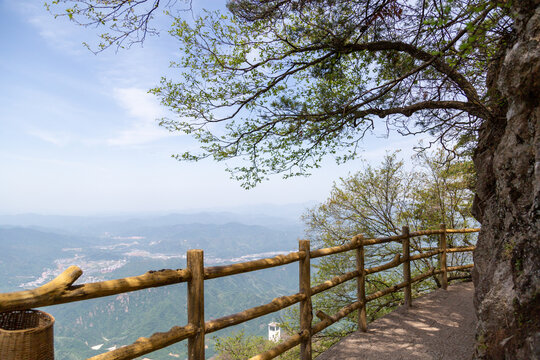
[(440, 325)]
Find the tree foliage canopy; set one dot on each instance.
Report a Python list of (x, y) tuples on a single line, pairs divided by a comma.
[(239, 346), (279, 84), (377, 202)]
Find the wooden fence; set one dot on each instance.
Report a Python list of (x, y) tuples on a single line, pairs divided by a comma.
[(61, 290)]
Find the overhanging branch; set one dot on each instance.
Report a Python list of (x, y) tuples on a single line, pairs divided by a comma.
[(425, 105)]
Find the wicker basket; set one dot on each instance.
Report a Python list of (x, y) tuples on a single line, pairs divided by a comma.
[(26, 335)]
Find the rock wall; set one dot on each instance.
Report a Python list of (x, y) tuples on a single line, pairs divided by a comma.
[(507, 258)]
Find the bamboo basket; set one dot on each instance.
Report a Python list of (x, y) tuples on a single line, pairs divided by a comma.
[(26, 335)]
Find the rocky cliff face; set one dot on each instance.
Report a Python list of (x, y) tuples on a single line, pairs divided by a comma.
[(507, 259)]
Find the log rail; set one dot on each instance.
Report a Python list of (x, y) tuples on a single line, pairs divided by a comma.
[(62, 290)]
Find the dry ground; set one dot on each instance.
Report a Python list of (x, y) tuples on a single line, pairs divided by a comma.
[(440, 325)]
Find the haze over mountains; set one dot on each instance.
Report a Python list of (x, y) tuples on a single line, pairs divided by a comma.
[(265, 214), (36, 248)]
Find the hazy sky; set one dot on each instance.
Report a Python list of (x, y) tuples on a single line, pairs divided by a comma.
[(78, 133)]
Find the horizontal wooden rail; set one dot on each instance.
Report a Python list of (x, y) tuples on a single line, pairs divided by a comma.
[(401, 285), (383, 240), (340, 279), (255, 312), (462, 231), (335, 281), (44, 294), (430, 252), (288, 344), (353, 245), (396, 261), (329, 320), (440, 231), (147, 345), (239, 268), (160, 340), (460, 268), (425, 255), (333, 250), (461, 249), (61, 290)]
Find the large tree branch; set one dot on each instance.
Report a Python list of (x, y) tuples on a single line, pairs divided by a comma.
[(419, 54), (425, 105)]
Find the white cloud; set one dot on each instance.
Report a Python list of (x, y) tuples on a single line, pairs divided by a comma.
[(55, 138), (138, 102), (58, 33), (144, 109)]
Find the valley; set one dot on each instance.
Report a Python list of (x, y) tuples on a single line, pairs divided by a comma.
[(33, 255)]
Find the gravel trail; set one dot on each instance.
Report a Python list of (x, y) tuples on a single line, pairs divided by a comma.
[(439, 325)]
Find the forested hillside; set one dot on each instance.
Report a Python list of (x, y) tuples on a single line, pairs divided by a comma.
[(84, 329)]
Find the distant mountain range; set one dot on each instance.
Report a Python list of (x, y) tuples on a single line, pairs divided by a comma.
[(34, 249), (272, 216)]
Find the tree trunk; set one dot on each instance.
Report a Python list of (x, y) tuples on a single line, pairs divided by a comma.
[(507, 258)]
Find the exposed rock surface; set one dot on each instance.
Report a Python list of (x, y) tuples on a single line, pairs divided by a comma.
[(507, 258)]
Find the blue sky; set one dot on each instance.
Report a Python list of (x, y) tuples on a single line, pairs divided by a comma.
[(78, 133)]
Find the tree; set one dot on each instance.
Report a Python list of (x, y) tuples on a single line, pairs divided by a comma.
[(282, 83), (239, 346), (293, 81), (377, 202), (448, 198)]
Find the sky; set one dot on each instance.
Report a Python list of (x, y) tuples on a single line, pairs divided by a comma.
[(78, 131)]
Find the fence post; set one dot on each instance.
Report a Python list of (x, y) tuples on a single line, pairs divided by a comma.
[(442, 247), (306, 314), (406, 266), (195, 302), (361, 282)]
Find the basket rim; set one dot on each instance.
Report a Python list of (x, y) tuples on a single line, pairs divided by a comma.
[(50, 322)]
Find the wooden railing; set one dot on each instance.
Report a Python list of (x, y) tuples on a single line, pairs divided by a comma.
[(61, 290)]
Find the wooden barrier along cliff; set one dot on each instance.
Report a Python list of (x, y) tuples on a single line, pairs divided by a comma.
[(62, 290)]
